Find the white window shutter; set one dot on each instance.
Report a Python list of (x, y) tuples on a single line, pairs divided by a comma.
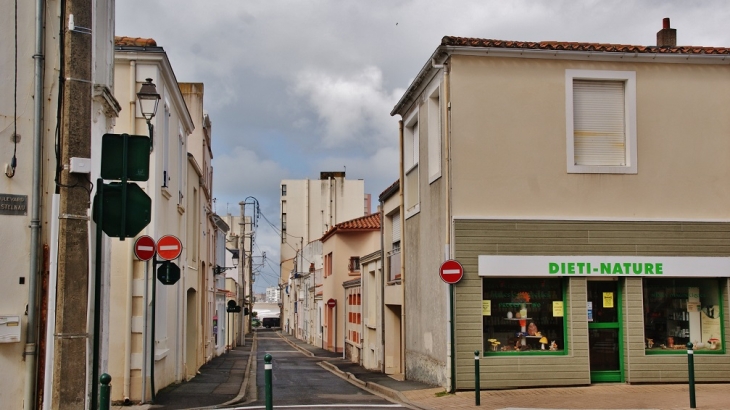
[(396, 227), (598, 123)]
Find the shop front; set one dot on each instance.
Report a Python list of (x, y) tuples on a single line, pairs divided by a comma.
[(551, 320)]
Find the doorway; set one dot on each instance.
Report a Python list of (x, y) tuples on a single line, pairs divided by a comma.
[(605, 338)]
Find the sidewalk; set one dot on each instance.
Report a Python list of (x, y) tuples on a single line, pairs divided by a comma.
[(599, 396), (219, 382)]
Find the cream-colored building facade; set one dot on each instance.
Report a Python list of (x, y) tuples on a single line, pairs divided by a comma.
[(29, 204), (139, 311), (309, 208), (515, 152), (342, 247)]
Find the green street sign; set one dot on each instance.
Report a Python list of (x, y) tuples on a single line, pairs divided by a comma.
[(122, 217), (113, 158), (168, 273)]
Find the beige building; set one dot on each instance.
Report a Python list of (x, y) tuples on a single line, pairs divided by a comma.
[(308, 209), (342, 247), (36, 212), (583, 188), (150, 317)]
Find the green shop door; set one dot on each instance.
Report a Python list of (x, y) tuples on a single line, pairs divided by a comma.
[(605, 343)]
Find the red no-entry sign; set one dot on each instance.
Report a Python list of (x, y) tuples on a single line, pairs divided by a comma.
[(451, 271), (332, 303), (144, 248), (169, 247)]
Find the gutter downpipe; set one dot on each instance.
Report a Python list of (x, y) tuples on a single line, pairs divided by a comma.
[(447, 227), (402, 255), (130, 268), (448, 254), (382, 287), (30, 352)]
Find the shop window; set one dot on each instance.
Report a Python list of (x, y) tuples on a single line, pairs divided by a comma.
[(679, 311), (523, 316)]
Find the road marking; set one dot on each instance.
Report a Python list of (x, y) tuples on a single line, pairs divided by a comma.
[(282, 351)]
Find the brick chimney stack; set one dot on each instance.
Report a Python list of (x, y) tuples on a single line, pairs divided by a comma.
[(666, 37)]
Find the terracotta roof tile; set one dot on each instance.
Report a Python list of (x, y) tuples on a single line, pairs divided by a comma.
[(134, 42), (364, 223), (574, 46)]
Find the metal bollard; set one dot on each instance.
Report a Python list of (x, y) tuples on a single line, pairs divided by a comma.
[(105, 392), (477, 384), (691, 365), (267, 380)]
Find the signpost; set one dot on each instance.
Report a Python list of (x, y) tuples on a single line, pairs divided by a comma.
[(451, 271), (169, 247), (168, 273), (144, 248)]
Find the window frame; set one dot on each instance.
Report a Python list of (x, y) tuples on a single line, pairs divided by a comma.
[(721, 282), (566, 341), (411, 142), (629, 80), (435, 133)]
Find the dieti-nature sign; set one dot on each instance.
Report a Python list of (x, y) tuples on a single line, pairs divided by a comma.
[(634, 266)]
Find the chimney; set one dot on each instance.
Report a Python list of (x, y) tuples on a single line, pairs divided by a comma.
[(666, 37)]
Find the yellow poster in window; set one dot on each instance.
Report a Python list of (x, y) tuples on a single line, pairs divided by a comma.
[(557, 308), (486, 308), (608, 299)]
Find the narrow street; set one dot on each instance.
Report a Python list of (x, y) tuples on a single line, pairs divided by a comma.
[(300, 382)]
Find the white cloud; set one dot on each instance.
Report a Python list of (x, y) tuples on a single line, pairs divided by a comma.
[(241, 172), (351, 107)]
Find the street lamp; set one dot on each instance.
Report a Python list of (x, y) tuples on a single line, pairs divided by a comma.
[(148, 100)]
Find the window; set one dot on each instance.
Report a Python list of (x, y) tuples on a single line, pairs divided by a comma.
[(328, 264), (166, 146), (434, 136), (354, 265), (601, 121), (182, 159), (283, 190), (410, 162), (678, 311), (523, 316)]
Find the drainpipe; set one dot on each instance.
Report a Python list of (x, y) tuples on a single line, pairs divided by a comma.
[(402, 217), (130, 268), (382, 286), (128, 324), (31, 348), (448, 254)]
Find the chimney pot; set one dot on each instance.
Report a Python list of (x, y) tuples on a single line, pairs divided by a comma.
[(665, 23)]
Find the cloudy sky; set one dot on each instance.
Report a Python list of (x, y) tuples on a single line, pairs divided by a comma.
[(302, 86)]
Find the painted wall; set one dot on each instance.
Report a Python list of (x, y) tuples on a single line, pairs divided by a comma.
[(343, 246), (172, 125), (508, 121)]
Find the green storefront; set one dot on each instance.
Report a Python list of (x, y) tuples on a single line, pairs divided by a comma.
[(552, 303)]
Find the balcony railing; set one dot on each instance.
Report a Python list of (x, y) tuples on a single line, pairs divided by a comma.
[(394, 265)]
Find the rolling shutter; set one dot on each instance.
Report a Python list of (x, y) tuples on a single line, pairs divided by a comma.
[(396, 227), (599, 123)]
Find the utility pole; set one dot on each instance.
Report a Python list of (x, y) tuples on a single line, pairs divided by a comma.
[(71, 333), (254, 217)]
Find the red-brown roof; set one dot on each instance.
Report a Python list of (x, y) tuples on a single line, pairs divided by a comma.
[(574, 46), (364, 223), (134, 42)]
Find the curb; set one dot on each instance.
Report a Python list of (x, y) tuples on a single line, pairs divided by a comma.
[(372, 387), (244, 386), (294, 345)]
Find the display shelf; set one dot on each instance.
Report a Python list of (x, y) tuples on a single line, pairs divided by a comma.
[(518, 318)]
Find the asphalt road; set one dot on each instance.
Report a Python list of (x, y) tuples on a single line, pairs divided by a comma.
[(298, 381)]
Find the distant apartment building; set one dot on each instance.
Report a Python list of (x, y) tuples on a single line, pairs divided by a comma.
[(309, 208), (273, 294)]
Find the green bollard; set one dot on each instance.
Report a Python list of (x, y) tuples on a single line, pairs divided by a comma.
[(477, 384), (267, 379), (691, 365), (105, 392)]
